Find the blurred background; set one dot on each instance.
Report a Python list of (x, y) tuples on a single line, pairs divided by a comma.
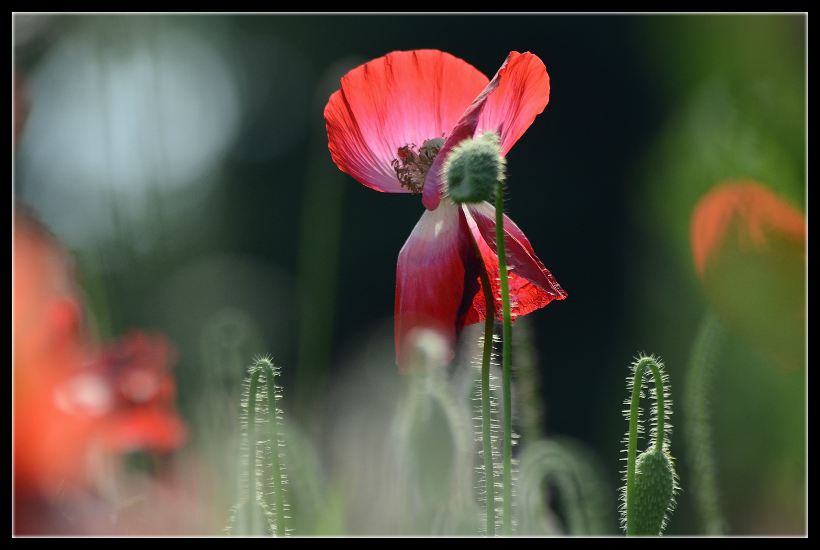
[(183, 161)]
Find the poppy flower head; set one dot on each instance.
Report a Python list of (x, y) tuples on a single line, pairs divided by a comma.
[(749, 252), (746, 212), (72, 394), (384, 109)]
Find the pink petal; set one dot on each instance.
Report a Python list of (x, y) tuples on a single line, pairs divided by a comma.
[(518, 92), (436, 279), (392, 101), (532, 286)]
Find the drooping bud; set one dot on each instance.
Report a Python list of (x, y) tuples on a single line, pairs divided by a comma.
[(654, 491), (651, 481), (473, 169)]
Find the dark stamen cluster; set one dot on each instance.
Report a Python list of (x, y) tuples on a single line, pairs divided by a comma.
[(411, 167)]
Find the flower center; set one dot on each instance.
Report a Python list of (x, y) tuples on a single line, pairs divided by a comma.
[(411, 166)]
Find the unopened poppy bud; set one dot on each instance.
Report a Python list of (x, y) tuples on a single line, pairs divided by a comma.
[(654, 491), (473, 169)]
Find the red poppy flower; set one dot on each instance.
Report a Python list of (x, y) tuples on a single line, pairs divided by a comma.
[(392, 126), (749, 251), (73, 395), (141, 412)]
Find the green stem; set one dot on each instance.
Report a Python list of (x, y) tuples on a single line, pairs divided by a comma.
[(486, 420), (505, 356), (273, 424), (698, 433), (632, 448), (254, 387)]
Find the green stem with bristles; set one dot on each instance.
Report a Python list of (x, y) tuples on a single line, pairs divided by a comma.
[(506, 355), (252, 390), (273, 423), (486, 420), (632, 448)]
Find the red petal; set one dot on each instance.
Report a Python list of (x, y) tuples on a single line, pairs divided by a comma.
[(392, 101), (518, 92), (145, 428), (523, 92), (464, 129), (532, 286), (436, 280)]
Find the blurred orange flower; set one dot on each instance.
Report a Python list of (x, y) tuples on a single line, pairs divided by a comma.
[(73, 396), (749, 251)]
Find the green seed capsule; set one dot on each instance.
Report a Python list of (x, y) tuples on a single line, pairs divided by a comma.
[(473, 169)]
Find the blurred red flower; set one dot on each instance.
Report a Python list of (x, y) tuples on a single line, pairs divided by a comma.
[(73, 396), (392, 126), (749, 251)]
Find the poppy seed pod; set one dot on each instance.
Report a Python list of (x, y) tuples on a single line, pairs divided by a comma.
[(473, 169)]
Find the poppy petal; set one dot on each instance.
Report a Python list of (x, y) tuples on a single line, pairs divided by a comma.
[(749, 251), (436, 280), (532, 286), (144, 428), (752, 204), (522, 93), (518, 92), (464, 129), (399, 99)]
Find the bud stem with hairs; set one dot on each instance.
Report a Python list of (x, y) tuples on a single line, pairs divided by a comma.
[(256, 504), (651, 482), (506, 356)]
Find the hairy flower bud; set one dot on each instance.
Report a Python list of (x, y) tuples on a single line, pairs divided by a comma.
[(473, 169), (654, 491)]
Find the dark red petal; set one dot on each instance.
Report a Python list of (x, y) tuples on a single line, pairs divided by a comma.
[(392, 101), (532, 286), (436, 279)]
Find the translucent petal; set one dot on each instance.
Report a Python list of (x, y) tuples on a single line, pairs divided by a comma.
[(532, 286), (518, 92), (392, 101), (436, 279)]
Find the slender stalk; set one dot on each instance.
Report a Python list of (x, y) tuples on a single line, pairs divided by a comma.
[(506, 356), (254, 386), (274, 449), (698, 433), (486, 420)]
